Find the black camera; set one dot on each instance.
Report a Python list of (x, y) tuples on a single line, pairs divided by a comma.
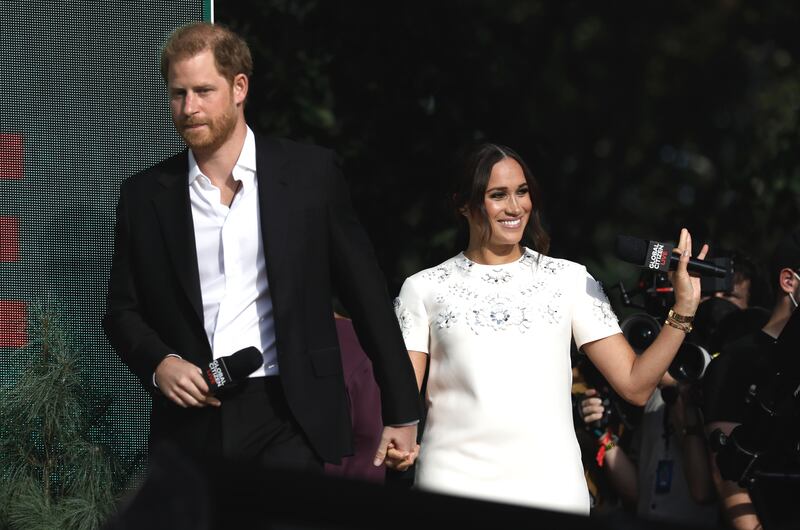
[(641, 329), (689, 364), (714, 284), (618, 414)]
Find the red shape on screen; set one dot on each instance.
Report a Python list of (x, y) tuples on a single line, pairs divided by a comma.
[(9, 239), (13, 324), (11, 161)]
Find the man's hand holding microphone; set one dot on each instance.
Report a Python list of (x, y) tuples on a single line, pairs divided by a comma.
[(188, 385)]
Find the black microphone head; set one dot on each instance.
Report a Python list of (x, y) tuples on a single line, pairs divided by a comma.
[(632, 250), (242, 363)]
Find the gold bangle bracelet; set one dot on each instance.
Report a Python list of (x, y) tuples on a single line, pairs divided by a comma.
[(677, 317), (683, 326)]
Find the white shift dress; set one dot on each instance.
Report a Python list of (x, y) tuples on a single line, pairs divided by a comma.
[(499, 423)]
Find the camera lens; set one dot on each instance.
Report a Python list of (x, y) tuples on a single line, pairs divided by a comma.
[(690, 363), (640, 330), (641, 335)]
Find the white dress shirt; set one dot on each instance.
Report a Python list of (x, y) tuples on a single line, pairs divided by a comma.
[(237, 307)]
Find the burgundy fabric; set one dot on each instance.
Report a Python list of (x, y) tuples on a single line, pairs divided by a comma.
[(364, 398)]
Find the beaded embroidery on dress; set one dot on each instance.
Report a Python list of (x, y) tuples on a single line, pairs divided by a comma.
[(503, 298)]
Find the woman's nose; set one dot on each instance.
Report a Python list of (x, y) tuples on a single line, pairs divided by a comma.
[(512, 206)]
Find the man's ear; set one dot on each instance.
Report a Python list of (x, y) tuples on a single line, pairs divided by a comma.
[(240, 86), (787, 280)]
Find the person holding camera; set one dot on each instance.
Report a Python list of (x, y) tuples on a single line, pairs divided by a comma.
[(494, 324), (739, 370), (665, 473)]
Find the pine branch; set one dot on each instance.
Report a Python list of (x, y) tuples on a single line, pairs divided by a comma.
[(52, 473)]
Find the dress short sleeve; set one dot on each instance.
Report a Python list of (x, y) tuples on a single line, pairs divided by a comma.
[(413, 317), (592, 316)]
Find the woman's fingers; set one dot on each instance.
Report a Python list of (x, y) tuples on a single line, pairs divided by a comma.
[(687, 286), (685, 249), (399, 460), (688, 246), (682, 240)]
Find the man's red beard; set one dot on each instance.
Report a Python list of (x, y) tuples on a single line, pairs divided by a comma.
[(213, 134)]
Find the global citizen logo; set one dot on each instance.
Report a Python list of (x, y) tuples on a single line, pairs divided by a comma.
[(215, 374), (658, 257)]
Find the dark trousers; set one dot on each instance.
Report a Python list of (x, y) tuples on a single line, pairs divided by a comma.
[(212, 467), (255, 426)]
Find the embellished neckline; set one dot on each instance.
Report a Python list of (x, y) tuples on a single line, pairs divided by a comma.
[(465, 263)]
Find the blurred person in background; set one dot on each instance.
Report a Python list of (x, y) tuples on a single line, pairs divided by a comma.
[(664, 475), (738, 370), (364, 404), (745, 283)]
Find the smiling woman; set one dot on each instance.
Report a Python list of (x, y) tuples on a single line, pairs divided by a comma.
[(494, 324), (495, 191), (507, 204)]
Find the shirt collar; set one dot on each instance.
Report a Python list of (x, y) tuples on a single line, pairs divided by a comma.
[(245, 167)]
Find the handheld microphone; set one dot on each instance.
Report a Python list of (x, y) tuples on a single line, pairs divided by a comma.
[(229, 370), (659, 256)]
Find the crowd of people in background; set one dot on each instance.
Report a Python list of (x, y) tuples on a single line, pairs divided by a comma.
[(663, 464)]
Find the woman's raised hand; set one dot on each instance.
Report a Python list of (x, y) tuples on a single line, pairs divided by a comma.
[(686, 286)]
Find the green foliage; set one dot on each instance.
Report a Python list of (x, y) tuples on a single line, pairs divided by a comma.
[(637, 118), (54, 474)]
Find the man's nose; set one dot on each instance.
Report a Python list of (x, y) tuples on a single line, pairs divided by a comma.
[(189, 103)]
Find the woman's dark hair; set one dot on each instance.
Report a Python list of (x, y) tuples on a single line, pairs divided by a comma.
[(469, 189)]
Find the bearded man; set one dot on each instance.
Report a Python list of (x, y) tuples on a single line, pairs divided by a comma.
[(237, 242)]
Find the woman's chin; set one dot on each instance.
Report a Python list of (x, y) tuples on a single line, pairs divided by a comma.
[(505, 246)]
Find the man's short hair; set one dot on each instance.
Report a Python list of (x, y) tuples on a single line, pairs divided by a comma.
[(786, 255), (231, 53)]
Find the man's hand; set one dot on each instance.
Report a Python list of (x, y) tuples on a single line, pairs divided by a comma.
[(398, 447), (182, 382)]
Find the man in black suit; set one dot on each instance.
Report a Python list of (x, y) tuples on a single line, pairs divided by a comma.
[(238, 242)]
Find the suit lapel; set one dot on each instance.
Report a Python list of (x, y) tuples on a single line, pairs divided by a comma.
[(175, 217), (272, 170)]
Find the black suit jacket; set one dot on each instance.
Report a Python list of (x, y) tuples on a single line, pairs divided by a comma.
[(312, 242)]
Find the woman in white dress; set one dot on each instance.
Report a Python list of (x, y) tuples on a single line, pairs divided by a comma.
[(495, 324)]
